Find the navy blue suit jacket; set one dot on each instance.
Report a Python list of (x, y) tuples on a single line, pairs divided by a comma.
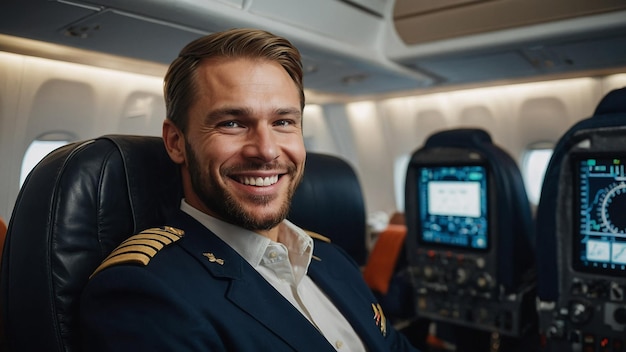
[(181, 301)]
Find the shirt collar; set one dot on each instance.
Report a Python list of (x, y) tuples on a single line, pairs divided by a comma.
[(251, 245)]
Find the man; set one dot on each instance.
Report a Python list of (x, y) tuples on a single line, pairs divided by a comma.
[(232, 273)]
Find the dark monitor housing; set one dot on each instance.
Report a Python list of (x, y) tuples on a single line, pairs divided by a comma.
[(449, 206), (461, 241), (453, 206), (599, 214)]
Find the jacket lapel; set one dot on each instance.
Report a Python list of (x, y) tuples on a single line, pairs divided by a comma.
[(354, 301), (260, 300), (248, 289)]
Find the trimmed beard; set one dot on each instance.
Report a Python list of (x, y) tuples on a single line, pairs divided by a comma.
[(222, 203)]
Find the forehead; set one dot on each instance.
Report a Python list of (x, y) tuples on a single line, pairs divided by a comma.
[(227, 76)]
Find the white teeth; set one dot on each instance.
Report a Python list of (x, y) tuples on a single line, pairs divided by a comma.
[(259, 181)]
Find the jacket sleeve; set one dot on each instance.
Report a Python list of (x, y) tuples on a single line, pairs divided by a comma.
[(124, 308)]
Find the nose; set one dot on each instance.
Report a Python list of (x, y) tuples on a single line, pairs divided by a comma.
[(262, 144)]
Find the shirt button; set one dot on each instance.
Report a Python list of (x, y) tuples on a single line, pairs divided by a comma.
[(338, 344), (273, 255)]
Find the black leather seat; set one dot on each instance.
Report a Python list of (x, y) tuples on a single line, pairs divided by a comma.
[(514, 226), (609, 114), (83, 199), (572, 299), (478, 297), (329, 201), (75, 207)]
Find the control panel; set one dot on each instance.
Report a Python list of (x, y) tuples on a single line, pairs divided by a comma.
[(590, 312), (589, 316), (468, 243), (459, 288)]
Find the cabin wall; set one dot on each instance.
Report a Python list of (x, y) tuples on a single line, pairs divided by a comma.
[(41, 98), (516, 116), (47, 99), (11, 67)]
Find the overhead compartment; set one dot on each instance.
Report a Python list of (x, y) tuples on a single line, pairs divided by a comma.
[(339, 39), (18, 18), (421, 21), (350, 47), (143, 38), (491, 41)]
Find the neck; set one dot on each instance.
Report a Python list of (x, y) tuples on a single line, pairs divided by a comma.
[(272, 233)]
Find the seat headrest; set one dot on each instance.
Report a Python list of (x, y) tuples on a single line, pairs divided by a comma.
[(613, 103), (461, 137)]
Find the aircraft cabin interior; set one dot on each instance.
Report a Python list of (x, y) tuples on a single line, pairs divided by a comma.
[(467, 154)]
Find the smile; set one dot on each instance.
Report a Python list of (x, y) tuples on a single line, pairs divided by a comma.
[(259, 181)]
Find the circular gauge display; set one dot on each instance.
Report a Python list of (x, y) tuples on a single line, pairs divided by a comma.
[(612, 205)]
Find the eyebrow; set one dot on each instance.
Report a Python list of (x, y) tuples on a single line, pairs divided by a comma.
[(242, 112), (288, 111)]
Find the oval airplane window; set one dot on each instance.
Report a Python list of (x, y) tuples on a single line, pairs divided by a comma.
[(36, 151), (399, 178), (534, 165)]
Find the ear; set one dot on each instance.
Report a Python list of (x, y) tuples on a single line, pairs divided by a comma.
[(174, 142)]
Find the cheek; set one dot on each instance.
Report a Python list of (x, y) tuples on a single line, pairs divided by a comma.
[(294, 146), (299, 157), (217, 156)]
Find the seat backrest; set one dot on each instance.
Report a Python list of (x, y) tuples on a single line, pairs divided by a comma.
[(579, 223), (74, 208), (514, 227), (330, 201), (83, 199), (470, 232), (609, 114)]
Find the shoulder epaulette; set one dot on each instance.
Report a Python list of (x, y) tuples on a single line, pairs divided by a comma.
[(140, 248), (317, 236)]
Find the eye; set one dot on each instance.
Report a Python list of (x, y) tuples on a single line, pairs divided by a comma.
[(229, 124), (284, 123)]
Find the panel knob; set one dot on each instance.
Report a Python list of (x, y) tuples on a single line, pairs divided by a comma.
[(579, 312), (620, 315)]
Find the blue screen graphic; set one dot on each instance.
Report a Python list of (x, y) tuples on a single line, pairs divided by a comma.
[(600, 244), (453, 206)]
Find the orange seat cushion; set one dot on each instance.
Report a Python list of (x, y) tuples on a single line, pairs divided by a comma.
[(383, 258), (3, 234)]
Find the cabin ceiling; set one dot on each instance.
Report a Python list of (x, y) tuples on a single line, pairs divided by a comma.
[(353, 48)]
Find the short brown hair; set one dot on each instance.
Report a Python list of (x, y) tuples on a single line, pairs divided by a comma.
[(179, 85)]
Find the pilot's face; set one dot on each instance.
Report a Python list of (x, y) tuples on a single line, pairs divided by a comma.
[(244, 147)]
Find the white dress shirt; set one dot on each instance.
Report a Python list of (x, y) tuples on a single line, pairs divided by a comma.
[(284, 265)]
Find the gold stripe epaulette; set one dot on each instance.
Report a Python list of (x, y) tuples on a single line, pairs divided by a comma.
[(317, 236), (140, 248)]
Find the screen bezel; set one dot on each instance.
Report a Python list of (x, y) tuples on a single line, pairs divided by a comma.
[(417, 167), (578, 264)]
